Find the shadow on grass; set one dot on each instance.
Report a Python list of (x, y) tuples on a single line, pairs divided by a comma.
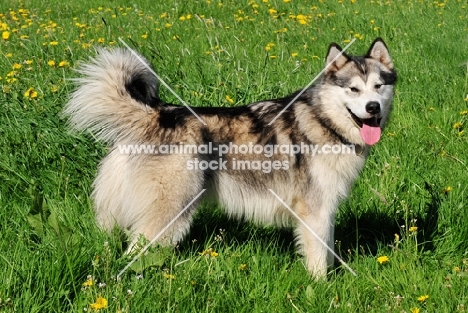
[(366, 232), (362, 234), (211, 223)]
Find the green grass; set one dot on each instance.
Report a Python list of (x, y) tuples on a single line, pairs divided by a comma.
[(416, 176)]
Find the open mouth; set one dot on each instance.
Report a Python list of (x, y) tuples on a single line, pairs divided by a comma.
[(373, 121), (356, 119), (370, 128)]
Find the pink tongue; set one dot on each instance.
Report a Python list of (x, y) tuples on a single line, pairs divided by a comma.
[(370, 134)]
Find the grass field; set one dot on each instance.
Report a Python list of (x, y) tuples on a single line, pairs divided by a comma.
[(410, 204)]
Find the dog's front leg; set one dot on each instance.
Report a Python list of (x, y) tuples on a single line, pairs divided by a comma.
[(315, 236)]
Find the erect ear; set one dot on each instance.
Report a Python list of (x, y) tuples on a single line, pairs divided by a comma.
[(379, 52), (335, 58)]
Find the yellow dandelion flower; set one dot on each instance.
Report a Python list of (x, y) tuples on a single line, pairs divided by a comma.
[(229, 99), (51, 63), (101, 303), (168, 25), (294, 54), (5, 35), (24, 36), (282, 30), (269, 45), (286, 1), (28, 62), (169, 276), (464, 112), (243, 267), (302, 19), (214, 254), (54, 88), (457, 269), (88, 283), (16, 66), (144, 36), (53, 43), (383, 259), (182, 18), (358, 36), (423, 298), (9, 55), (272, 56), (63, 63), (414, 310), (447, 189), (412, 229), (101, 40), (457, 125), (30, 93)]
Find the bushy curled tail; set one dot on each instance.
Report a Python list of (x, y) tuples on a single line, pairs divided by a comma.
[(114, 96)]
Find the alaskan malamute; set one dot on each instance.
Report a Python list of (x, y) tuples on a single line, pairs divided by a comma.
[(307, 148)]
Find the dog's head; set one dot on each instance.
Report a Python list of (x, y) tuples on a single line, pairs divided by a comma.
[(363, 87)]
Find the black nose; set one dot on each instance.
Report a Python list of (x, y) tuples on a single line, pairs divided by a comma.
[(373, 107)]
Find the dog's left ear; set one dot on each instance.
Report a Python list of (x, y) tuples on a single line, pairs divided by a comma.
[(379, 52)]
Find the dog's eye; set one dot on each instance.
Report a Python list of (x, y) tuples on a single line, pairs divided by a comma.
[(377, 86), (354, 89)]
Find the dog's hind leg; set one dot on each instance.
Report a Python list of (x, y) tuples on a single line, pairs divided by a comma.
[(157, 190), (150, 192), (108, 193)]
